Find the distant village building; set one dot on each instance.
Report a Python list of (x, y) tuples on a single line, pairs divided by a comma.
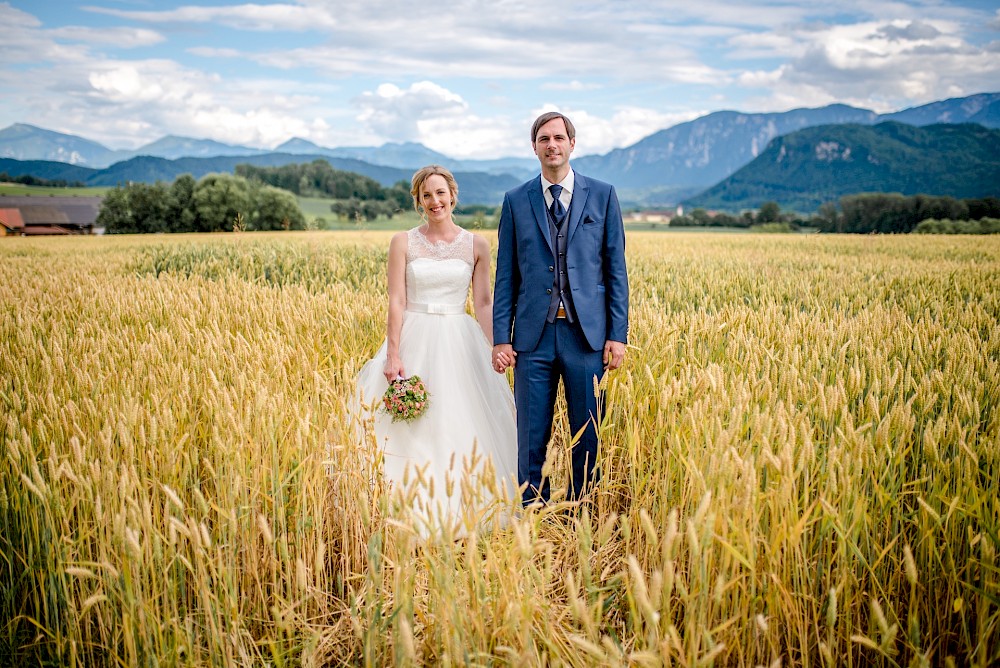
[(650, 216), (48, 216)]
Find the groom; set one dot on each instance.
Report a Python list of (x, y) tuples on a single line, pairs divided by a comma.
[(560, 306)]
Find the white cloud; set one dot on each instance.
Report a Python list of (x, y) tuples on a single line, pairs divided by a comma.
[(570, 86), (470, 136), (175, 100), (15, 20), (912, 31), (124, 38), (482, 69), (440, 119), (215, 52), (627, 125), (777, 44), (880, 65), (395, 113), (241, 17), (505, 40)]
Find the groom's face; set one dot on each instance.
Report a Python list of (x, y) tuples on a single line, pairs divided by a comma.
[(552, 144)]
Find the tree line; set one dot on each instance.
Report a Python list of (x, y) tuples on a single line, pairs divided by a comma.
[(29, 180), (945, 226), (890, 213), (260, 198), (863, 213), (214, 203), (357, 196), (769, 214)]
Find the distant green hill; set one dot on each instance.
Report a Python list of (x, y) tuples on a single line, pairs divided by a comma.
[(804, 169), (46, 169)]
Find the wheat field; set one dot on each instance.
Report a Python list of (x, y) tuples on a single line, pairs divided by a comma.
[(800, 464)]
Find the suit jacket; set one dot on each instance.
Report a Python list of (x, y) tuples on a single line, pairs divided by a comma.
[(595, 264)]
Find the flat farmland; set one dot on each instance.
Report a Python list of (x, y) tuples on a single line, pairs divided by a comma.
[(800, 464)]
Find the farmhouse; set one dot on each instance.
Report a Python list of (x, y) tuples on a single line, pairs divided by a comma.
[(47, 216)]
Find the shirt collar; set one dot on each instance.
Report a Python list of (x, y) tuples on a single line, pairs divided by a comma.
[(567, 183)]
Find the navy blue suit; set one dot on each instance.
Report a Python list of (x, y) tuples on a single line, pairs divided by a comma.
[(598, 282)]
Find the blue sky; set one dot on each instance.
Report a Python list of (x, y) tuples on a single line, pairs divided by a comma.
[(466, 78)]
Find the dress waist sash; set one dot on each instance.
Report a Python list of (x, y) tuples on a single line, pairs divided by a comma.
[(436, 309)]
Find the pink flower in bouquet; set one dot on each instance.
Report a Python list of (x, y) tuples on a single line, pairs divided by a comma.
[(406, 399)]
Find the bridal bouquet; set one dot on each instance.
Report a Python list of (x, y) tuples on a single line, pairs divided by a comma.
[(406, 399)]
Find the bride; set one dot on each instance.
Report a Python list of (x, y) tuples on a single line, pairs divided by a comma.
[(463, 448)]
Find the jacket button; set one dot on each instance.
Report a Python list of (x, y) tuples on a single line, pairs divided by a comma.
[(549, 291), (551, 268)]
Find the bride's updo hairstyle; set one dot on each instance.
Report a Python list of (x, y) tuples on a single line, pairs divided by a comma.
[(423, 174)]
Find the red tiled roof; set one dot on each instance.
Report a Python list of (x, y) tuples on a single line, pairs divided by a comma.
[(11, 219)]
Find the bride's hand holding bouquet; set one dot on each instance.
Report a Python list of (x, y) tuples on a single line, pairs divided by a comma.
[(406, 399)]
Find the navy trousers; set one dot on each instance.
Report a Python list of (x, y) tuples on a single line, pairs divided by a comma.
[(562, 352)]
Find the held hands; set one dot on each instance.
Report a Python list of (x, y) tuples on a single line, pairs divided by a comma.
[(503, 357), (614, 355), (393, 368)]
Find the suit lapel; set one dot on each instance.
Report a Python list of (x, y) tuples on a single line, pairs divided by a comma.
[(581, 190), (537, 202)]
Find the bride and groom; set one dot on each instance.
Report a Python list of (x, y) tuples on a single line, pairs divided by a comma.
[(559, 310)]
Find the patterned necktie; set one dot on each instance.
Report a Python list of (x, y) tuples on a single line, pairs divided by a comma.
[(557, 209)]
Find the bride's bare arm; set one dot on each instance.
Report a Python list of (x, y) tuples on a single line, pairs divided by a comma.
[(397, 304), (482, 297)]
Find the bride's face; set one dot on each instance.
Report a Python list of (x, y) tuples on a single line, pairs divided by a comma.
[(436, 198)]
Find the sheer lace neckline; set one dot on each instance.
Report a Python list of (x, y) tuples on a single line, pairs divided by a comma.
[(459, 248), (461, 233)]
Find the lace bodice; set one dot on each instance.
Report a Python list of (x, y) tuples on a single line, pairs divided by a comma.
[(438, 274)]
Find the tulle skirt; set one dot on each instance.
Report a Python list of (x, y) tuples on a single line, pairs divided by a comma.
[(456, 464)]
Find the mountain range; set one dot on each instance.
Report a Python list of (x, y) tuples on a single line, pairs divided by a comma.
[(687, 158), (662, 169), (475, 187), (27, 142), (804, 169)]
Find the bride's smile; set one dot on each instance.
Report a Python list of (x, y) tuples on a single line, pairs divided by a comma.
[(436, 199)]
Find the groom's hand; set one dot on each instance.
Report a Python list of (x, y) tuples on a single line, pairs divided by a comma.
[(503, 357), (614, 355)]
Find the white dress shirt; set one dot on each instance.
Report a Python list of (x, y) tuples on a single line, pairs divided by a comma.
[(567, 194)]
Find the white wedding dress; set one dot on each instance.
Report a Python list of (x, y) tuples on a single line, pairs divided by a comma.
[(468, 428)]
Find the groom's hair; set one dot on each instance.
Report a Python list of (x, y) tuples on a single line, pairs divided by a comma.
[(548, 116)]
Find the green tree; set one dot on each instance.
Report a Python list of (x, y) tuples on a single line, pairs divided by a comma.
[(149, 206), (983, 207), (114, 215), (926, 206), (180, 204), (218, 198), (701, 217), (723, 219), (877, 212), (316, 179), (399, 194), (275, 209), (827, 218), (135, 209), (769, 212)]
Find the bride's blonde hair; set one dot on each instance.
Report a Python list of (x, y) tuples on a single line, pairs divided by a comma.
[(423, 174)]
